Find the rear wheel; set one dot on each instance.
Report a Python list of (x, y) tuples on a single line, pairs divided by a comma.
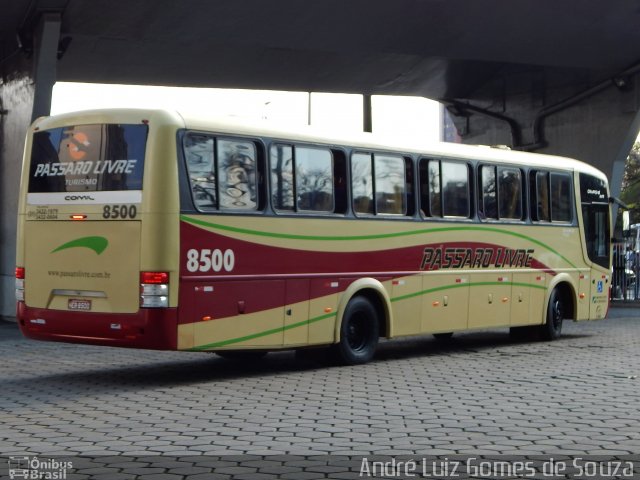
[(359, 332), (556, 310)]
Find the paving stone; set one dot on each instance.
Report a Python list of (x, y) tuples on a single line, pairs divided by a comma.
[(482, 393)]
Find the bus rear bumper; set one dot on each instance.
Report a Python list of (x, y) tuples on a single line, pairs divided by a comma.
[(148, 328)]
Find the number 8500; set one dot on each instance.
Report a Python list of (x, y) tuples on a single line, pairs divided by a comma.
[(119, 211), (207, 260)]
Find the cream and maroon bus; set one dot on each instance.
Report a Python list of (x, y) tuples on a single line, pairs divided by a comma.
[(150, 229)]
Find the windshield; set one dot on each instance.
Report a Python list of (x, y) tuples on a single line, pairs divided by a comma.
[(595, 216)]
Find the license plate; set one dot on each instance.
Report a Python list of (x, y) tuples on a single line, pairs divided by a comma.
[(79, 304)]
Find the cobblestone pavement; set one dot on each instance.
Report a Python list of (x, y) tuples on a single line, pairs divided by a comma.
[(480, 393)]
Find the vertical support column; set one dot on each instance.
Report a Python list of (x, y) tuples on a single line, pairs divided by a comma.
[(16, 96), (25, 94), (46, 50), (367, 114), (620, 161)]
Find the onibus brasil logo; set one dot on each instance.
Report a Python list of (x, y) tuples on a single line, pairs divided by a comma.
[(38, 469)]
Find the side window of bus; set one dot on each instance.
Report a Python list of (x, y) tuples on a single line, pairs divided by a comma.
[(281, 165), (379, 184), (224, 180), (551, 197), (540, 204), (302, 179), (314, 179), (362, 183), (561, 197), (447, 183), (390, 184), (505, 201), (510, 193), (488, 208), (237, 184), (198, 150)]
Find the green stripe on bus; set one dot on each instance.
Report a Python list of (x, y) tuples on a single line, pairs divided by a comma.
[(459, 285), (97, 244), (334, 238), (231, 341), (272, 331)]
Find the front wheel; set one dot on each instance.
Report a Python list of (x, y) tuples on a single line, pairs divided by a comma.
[(556, 309), (359, 332)]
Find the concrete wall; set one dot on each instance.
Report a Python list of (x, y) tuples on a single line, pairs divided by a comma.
[(16, 96), (599, 129)]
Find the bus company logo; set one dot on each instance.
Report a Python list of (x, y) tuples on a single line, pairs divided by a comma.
[(441, 257), (71, 198), (34, 468), (18, 467), (78, 143), (97, 244)]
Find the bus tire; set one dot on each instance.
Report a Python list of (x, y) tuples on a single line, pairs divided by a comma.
[(359, 333), (552, 328)]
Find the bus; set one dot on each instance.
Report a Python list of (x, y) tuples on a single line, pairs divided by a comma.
[(152, 229)]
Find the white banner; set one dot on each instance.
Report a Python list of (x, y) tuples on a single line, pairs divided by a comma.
[(84, 198)]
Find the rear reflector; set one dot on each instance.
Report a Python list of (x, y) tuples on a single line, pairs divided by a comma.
[(20, 284), (20, 273), (154, 302), (154, 289), (154, 277)]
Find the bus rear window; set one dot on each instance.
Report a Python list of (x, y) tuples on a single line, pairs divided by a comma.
[(88, 158)]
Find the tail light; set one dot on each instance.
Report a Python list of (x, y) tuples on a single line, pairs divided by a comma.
[(20, 284), (154, 289)]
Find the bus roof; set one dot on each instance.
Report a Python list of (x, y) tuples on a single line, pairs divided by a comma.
[(319, 136)]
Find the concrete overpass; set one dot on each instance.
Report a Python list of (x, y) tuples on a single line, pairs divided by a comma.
[(556, 77)]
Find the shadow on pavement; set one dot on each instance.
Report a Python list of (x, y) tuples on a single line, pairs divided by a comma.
[(206, 367)]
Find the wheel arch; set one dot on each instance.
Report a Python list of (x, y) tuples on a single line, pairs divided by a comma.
[(377, 294), (567, 288)]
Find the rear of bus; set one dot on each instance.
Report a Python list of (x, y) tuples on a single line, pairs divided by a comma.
[(97, 250)]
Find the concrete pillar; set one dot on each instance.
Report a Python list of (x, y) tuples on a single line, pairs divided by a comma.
[(46, 51), (16, 98), (620, 160), (25, 94)]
